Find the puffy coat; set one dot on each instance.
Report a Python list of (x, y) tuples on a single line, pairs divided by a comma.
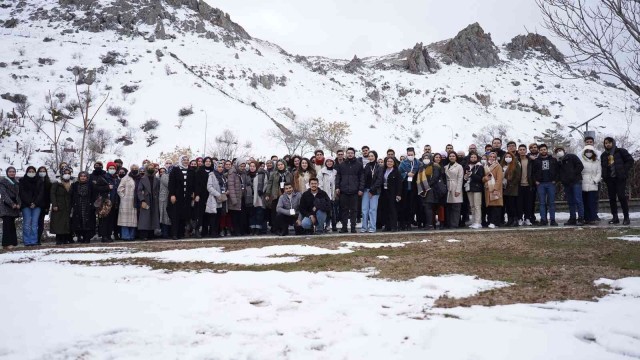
[(213, 187), (31, 192), (619, 159), (327, 180), (349, 177), (455, 180), (496, 185), (592, 172), (60, 219), (149, 219), (372, 178), (273, 187), (127, 212), (235, 183), (570, 169), (9, 195)]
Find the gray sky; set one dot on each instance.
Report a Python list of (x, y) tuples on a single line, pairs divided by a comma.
[(342, 28)]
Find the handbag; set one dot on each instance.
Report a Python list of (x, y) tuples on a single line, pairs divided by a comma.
[(98, 203), (105, 209), (222, 198)]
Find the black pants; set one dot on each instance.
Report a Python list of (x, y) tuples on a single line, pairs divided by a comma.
[(179, 214), (407, 207), (9, 235), (349, 209), (390, 216), (465, 212), (428, 214), (238, 218), (526, 203), (41, 224), (511, 206), (84, 236), (62, 239), (212, 222), (453, 214), (200, 214), (495, 215), (617, 188), (284, 221), (105, 226)]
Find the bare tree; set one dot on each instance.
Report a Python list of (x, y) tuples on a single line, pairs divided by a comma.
[(333, 134), (225, 145), (174, 155), (85, 101), (300, 138), (603, 35), (486, 134)]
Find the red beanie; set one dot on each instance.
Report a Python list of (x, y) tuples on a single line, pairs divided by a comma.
[(110, 164)]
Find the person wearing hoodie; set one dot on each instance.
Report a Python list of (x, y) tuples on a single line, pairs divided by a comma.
[(201, 178), (43, 175), (256, 185), (128, 212), (181, 189), (31, 195), (348, 188), (373, 174), (591, 176), (148, 193), (545, 173), (616, 166), (408, 170), (275, 188), (82, 207), (9, 207), (59, 223), (327, 178), (570, 174)]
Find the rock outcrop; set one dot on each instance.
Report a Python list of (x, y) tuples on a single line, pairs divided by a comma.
[(520, 44), (354, 65), (419, 61), (472, 47)]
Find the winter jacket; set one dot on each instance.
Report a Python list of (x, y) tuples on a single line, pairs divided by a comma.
[(255, 188), (455, 180), (475, 178), (127, 212), (285, 204), (9, 195), (149, 219), (308, 201), (545, 169), (530, 179), (273, 186), (592, 172), (427, 180), (493, 184), (163, 199), (405, 168), (31, 192), (513, 178), (182, 189), (235, 184), (372, 178), (113, 193), (60, 220), (99, 184), (327, 180), (84, 213), (570, 169), (349, 177), (213, 187), (392, 185), (616, 162), (45, 204)]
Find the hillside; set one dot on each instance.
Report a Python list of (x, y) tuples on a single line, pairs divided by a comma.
[(154, 60)]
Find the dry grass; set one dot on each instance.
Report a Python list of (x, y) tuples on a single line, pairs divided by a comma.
[(544, 265)]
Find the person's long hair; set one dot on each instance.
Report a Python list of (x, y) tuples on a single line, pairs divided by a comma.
[(512, 166)]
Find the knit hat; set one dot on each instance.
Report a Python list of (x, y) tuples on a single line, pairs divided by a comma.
[(112, 163), (98, 163), (555, 151)]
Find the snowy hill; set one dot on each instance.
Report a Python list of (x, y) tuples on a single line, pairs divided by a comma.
[(154, 60)]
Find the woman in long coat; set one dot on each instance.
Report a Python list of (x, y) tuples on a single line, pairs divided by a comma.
[(163, 200), (128, 213), (427, 183), (455, 180), (9, 208), (391, 194), (84, 213), (235, 183), (60, 223), (493, 190), (148, 197), (213, 206), (46, 201), (512, 173)]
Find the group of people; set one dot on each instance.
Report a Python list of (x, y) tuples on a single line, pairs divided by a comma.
[(209, 197)]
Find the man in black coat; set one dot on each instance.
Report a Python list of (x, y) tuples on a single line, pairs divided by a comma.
[(181, 193), (315, 204), (348, 187), (545, 174), (616, 165), (570, 174)]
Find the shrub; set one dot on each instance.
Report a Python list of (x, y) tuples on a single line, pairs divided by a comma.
[(128, 89), (186, 111), (123, 122), (116, 111), (149, 125)]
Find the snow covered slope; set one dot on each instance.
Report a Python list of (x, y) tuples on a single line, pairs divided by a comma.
[(243, 84)]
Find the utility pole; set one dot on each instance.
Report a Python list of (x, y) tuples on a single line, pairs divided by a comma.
[(206, 125)]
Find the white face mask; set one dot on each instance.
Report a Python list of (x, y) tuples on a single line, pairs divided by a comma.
[(483, 162), (112, 171), (410, 158), (508, 160), (31, 174), (588, 154), (560, 153), (42, 174), (66, 177), (426, 161)]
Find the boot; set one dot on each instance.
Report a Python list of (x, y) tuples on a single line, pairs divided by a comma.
[(626, 221), (580, 222), (614, 221), (571, 222)]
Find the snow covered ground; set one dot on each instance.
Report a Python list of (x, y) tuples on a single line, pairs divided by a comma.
[(55, 310)]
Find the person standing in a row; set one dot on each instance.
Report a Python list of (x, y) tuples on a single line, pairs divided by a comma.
[(348, 181), (148, 197), (391, 194), (181, 188), (616, 165), (9, 208), (60, 220), (31, 197), (84, 212)]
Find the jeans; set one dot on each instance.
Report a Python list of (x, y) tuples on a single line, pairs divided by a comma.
[(256, 218), (475, 205), (30, 225), (128, 233), (590, 205), (321, 217), (369, 211), (547, 189), (574, 198)]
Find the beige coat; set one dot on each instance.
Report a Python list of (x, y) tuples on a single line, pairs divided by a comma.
[(455, 179), (127, 214), (490, 186)]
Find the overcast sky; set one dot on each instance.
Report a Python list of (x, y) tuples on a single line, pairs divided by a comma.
[(342, 28)]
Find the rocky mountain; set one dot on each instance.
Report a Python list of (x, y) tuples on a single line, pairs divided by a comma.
[(177, 73)]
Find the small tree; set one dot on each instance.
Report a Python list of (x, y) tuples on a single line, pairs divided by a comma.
[(333, 134), (486, 134), (554, 137), (85, 101), (225, 145), (174, 155), (300, 138)]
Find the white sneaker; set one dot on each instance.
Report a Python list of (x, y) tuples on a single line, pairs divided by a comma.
[(520, 222), (491, 226), (528, 222), (476, 226)]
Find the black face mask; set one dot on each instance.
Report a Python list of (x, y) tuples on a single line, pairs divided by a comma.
[(151, 172), (121, 175), (133, 172)]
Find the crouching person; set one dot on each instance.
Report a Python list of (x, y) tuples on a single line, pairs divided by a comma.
[(287, 211), (315, 204)]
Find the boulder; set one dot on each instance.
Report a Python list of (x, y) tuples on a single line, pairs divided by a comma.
[(472, 47), (15, 98), (354, 65), (419, 61)]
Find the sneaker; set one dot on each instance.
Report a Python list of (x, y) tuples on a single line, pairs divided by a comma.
[(528, 223), (372, 231), (554, 223), (520, 222), (363, 230), (614, 221), (476, 226), (491, 226)]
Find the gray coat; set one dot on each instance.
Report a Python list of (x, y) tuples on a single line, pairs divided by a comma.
[(9, 195), (235, 185), (164, 199), (149, 219), (213, 187)]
